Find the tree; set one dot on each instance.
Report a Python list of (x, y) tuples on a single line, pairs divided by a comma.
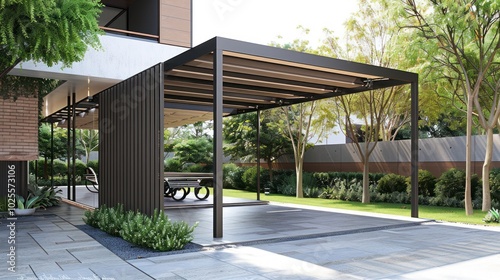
[(50, 31), (240, 137), (374, 38), (466, 35), (89, 141), (304, 121)]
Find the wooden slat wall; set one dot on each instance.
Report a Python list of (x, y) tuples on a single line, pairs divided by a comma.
[(175, 22), (131, 142)]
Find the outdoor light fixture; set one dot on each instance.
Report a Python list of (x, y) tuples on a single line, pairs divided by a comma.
[(62, 121), (82, 114), (92, 110), (368, 83)]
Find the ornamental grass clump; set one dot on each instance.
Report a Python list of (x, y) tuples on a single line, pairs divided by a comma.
[(156, 232), (493, 216)]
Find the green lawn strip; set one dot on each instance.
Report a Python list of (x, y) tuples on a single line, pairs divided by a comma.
[(449, 214)]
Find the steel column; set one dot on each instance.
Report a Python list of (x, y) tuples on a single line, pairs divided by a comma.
[(74, 147), (258, 154), (414, 149), (217, 149), (68, 145), (52, 154)]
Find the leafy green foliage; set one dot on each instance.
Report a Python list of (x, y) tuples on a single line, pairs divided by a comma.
[(91, 217), (493, 216), (250, 178), (495, 184), (392, 183), (27, 203), (49, 31), (426, 183), (156, 232), (194, 150), (451, 184), (48, 196), (173, 165), (240, 138)]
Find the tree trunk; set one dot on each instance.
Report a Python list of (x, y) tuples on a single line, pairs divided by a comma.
[(298, 172), (366, 182), (468, 198), (270, 165), (486, 170)]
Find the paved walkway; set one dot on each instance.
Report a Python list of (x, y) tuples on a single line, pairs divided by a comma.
[(263, 242)]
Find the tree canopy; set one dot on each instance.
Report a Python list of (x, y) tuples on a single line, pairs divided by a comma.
[(463, 38), (47, 31)]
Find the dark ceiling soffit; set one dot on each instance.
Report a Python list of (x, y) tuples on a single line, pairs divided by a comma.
[(83, 105)]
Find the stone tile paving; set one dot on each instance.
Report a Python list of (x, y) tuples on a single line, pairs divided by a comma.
[(47, 247)]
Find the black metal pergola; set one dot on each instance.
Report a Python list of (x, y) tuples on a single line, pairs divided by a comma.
[(214, 79)]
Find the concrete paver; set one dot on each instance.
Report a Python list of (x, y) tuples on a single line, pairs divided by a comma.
[(264, 242)]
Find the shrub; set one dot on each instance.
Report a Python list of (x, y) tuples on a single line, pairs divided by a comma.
[(156, 232), (451, 184), (328, 179), (426, 183), (281, 180), (392, 183), (495, 184), (172, 165), (60, 167), (91, 218), (235, 178), (250, 178), (228, 170), (197, 167), (110, 220)]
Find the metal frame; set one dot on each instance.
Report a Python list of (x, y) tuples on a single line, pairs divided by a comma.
[(244, 77), (229, 77)]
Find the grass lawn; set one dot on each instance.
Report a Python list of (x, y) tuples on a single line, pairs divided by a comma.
[(448, 214)]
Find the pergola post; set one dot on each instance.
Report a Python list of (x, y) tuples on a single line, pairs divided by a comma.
[(217, 149), (73, 147), (51, 154), (68, 145), (258, 154), (414, 149)]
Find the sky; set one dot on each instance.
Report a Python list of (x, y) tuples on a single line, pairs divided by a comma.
[(262, 21)]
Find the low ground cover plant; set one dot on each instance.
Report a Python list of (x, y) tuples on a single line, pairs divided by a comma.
[(156, 232)]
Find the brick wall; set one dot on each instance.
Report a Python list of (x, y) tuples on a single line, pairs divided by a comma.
[(19, 129)]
